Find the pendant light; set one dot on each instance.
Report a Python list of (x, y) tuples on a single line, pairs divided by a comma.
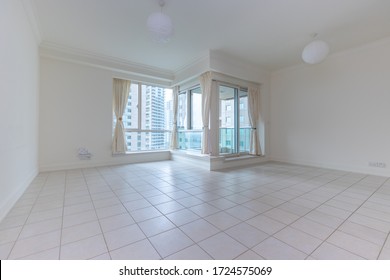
[(160, 25), (315, 52)]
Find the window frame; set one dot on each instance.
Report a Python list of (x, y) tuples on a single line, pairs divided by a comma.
[(141, 115), (238, 93)]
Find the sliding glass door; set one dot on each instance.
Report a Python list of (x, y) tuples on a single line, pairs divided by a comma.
[(234, 127)]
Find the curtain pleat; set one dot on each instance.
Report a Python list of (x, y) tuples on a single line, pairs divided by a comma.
[(254, 113), (121, 89), (206, 86), (175, 98)]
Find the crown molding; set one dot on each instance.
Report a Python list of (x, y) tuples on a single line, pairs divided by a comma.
[(60, 52), (30, 10)]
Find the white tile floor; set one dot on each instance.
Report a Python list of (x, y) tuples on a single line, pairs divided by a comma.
[(168, 210)]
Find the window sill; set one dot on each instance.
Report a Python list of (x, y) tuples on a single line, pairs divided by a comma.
[(135, 153)]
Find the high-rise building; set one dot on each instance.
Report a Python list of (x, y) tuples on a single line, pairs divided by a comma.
[(148, 114)]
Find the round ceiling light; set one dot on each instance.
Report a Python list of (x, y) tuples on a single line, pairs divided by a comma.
[(315, 52), (160, 25)]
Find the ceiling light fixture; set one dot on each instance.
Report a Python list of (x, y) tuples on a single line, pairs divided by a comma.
[(160, 25), (315, 52)]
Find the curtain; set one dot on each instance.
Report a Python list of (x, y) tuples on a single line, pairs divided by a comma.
[(254, 113), (121, 90), (205, 84), (175, 98)]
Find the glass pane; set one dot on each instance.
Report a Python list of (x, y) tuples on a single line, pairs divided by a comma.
[(182, 112), (227, 117), (130, 116), (190, 140), (156, 109), (168, 108), (146, 141), (245, 126), (196, 109)]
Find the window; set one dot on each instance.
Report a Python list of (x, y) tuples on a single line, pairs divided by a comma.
[(189, 119), (234, 126), (150, 110)]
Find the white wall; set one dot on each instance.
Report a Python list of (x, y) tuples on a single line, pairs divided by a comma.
[(19, 87), (76, 111), (335, 114)]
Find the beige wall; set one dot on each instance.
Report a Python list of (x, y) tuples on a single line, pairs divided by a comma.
[(19, 87), (335, 114)]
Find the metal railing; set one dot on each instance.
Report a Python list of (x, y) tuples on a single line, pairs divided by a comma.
[(228, 139)]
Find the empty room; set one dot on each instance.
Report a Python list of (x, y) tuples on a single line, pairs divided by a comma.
[(194, 130)]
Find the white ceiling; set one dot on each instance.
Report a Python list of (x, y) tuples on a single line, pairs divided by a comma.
[(268, 33)]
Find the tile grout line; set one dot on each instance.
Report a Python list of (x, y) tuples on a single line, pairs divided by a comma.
[(349, 217), (28, 216)]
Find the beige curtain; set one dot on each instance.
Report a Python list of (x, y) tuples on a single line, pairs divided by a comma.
[(175, 98), (121, 89), (205, 84), (254, 113)]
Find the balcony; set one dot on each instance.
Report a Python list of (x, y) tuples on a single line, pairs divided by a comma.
[(227, 141), (190, 140)]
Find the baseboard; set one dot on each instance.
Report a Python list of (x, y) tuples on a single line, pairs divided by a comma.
[(116, 160), (335, 166), (14, 197), (220, 163)]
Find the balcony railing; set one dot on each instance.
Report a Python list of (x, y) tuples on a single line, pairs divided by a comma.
[(227, 140), (189, 139), (148, 140)]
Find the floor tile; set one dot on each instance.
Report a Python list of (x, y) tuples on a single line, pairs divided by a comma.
[(12, 222), (170, 242), (193, 252), (78, 208), (222, 247), (241, 212), (370, 222), (324, 219), (156, 225), (115, 222), (355, 245), (266, 224), (103, 257), (165, 210), (82, 231), (204, 210), (274, 249), (364, 232), (141, 250), (5, 249), (298, 239), (182, 217), (169, 207), (51, 254), (144, 214), (199, 230), (281, 216), (137, 204), (35, 244), (110, 211), (222, 203), (313, 228), (247, 234), (329, 251), (9, 235), (249, 255), (123, 236), (84, 249), (222, 220), (40, 227), (385, 254)]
